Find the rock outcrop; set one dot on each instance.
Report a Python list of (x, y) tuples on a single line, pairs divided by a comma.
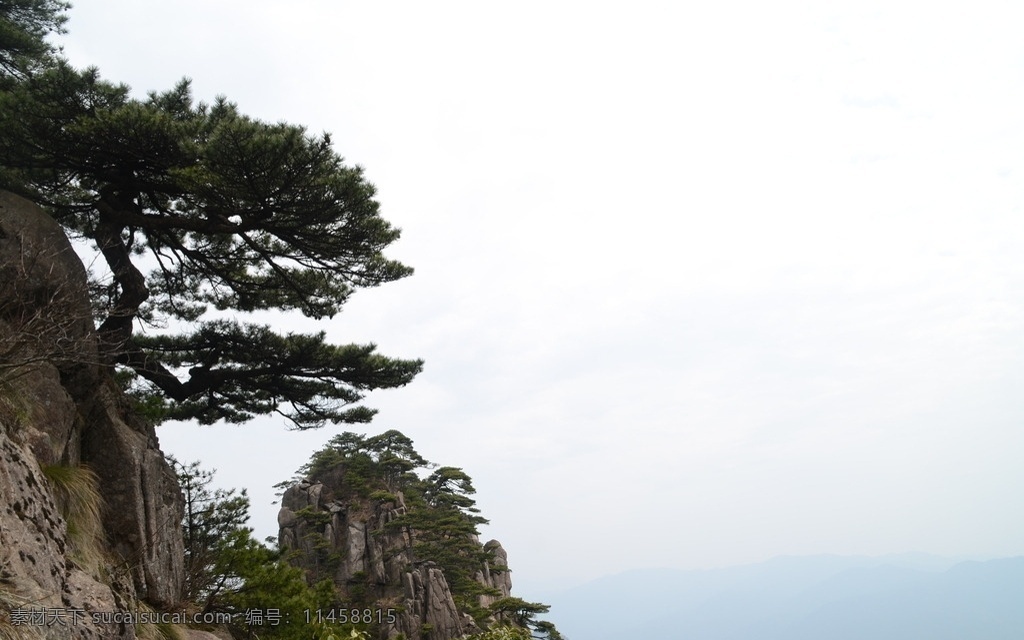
[(61, 410), (495, 574), (348, 539)]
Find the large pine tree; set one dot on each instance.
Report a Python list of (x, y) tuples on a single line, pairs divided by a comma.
[(197, 208)]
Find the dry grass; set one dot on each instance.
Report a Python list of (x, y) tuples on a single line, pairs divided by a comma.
[(158, 631), (14, 409), (8, 630), (76, 491)]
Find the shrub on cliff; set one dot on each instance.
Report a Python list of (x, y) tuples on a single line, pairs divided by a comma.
[(227, 571)]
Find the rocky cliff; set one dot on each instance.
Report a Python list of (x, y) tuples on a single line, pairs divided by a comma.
[(90, 511), (333, 533)]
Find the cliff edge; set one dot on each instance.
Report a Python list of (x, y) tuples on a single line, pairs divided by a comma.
[(90, 511)]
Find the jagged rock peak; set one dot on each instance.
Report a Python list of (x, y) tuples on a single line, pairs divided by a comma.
[(389, 538)]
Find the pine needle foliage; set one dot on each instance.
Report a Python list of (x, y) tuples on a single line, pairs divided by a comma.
[(226, 212), (24, 25)]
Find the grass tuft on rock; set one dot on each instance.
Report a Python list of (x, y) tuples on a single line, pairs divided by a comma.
[(76, 491)]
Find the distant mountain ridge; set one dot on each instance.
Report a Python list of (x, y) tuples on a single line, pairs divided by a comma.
[(899, 597)]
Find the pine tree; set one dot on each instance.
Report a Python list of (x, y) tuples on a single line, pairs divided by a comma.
[(211, 517), (223, 211), (24, 25), (227, 571)]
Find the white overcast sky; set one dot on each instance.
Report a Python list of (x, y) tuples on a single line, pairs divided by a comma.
[(696, 283)]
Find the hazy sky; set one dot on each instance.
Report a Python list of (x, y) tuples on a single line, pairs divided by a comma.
[(696, 283)]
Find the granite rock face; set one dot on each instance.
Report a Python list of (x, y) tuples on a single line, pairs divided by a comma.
[(495, 574), (60, 409), (378, 559), (143, 505), (367, 548), (428, 603)]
